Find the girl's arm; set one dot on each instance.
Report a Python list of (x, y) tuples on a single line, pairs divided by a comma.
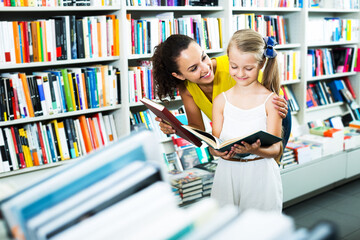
[(274, 127), (217, 124), (193, 113)]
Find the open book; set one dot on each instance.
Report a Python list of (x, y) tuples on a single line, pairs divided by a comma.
[(266, 139), (162, 112)]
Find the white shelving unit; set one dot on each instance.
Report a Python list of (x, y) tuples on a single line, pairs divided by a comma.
[(337, 167)]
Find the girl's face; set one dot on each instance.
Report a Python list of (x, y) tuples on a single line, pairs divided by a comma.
[(244, 68), (194, 65)]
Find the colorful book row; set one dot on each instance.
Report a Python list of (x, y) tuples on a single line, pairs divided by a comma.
[(322, 93), (267, 25), (269, 3), (140, 83), (289, 65), (57, 3), (59, 38), (57, 91), (58, 140), (327, 61), (333, 29), (146, 33), (290, 98)]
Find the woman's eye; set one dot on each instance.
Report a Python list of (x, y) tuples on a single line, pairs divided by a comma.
[(193, 69), (204, 57), (248, 69)]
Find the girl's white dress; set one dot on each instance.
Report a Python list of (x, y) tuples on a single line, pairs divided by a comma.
[(254, 184)]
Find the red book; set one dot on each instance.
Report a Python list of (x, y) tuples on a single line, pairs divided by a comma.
[(349, 86), (162, 112), (41, 140), (18, 151), (26, 41)]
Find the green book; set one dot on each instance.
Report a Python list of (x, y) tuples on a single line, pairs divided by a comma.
[(67, 91)]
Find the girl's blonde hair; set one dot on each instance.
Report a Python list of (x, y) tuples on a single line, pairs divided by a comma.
[(250, 41)]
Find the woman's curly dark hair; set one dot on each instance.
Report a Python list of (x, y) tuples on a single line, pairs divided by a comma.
[(164, 63)]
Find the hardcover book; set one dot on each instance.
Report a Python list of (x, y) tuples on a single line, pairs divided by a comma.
[(162, 112), (266, 139)]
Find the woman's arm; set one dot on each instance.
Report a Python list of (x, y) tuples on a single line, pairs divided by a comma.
[(281, 105), (274, 127), (193, 113)]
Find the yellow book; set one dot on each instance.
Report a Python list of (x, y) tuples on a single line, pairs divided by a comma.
[(116, 37), (71, 86), (55, 125), (25, 148), (348, 30), (62, 140), (143, 119), (39, 41), (76, 149), (220, 32)]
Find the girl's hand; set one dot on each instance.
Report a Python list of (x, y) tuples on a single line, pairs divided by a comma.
[(247, 148), (164, 127), (225, 155), (281, 105)]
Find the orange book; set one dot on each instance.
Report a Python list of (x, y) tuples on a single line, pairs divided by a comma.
[(44, 40), (93, 133), (103, 100), (84, 85), (86, 134), (34, 37), (99, 38), (24, 82), (16, 42)]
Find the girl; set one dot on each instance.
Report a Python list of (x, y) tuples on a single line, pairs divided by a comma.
[(180, 63), (254, 181)]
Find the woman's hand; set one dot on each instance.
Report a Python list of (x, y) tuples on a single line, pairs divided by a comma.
[(246, 148), (164, 127), (281, 105), (225, 155)]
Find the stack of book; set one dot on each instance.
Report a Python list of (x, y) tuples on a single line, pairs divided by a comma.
[(301, 151), (86, 192), (288, 159), (192, 184)]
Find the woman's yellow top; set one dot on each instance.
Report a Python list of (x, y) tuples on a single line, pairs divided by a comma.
[(222, 82)]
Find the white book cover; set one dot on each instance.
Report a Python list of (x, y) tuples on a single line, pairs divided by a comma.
[(110, 37), (4, 163), (49, 42), (11, 41), (82, 197), (44, 78), (37, 145), (46, 143), (103, 129), (12, 151), (91, 204), (113, 126), (63, 140), (89, 228), (86, 37), (80, 138), (108, 130)]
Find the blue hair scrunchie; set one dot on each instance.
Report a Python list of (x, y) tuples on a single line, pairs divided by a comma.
[(269, 51)]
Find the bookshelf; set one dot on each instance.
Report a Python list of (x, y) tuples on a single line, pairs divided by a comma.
[(296, 20)]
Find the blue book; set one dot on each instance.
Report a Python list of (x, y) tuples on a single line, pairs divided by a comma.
[(51, 144), (58, 75)]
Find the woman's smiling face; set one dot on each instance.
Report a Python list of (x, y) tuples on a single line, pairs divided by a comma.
[(195, 65)]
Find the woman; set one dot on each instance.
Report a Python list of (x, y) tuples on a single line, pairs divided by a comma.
[(180, 63)]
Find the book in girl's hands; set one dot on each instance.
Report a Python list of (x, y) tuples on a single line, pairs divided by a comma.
[(163, 113), (266, 139)]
